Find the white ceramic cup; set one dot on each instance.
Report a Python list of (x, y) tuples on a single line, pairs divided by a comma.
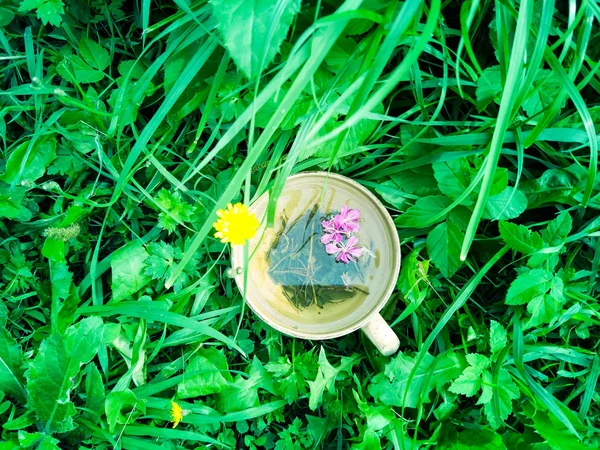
[(278, 312)]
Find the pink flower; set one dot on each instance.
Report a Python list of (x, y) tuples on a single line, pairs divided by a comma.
[(345, 251), (347, 219), (333, 233)]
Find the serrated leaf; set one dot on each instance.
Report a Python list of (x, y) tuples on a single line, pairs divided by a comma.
[(509, 204), (499, 407), (419, 181), (48, 11), (486, 388), (468, 383), (543, 309), (94, 54), (443, 245), (254, 30), (53, 370), (421, 212), (390, 387), (520, 238), (557, 230), (528, 286), (479, 362), (498, 337), (325, 380), (243, 392), (489, 86), (453, 178), (174, 210), (128, 271), (74, 68), (206, 373)]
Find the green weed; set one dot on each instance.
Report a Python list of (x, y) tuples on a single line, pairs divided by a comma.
[(125, 127)]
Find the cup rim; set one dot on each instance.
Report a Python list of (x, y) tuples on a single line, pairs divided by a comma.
[(237, 253)]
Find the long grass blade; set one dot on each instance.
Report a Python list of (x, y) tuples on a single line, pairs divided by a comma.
[(504, 116)]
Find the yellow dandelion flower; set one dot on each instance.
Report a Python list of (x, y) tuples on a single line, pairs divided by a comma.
[(176, 414), (236, 224)]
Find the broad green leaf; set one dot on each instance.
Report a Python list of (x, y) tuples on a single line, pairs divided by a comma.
[(94, 54), (443, 245), (94, 394), (554, 433), (128, 275), (413, 277), (254, 30), (53, 371), (520, 238), (242, 393), (391, 387), (378, 417), (206, 373), (489, 87), (509, 204), (48, 443), (11, 358), (370, 441), (543, 309), (6, 16), (422, 211), (123, 407), (546, 87), (528, 286), (54, 250), (419, 181), (11, 203), (74, 69), (557, 230), (498, 337), (499, 407), (29, 164), (29, 439), (453, 178)]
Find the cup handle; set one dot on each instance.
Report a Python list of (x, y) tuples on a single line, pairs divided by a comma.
[(381, 334)]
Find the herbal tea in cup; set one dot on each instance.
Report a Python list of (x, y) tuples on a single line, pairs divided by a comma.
[(328, 265)]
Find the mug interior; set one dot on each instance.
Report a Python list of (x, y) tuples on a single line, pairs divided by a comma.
[(326, 193)]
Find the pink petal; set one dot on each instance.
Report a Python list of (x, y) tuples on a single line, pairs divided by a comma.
[(328, 225), (343, 257), (338, 222), (327, 238), (352, 242), (355, 251), (332, 249), (353, 215), (352, 227)]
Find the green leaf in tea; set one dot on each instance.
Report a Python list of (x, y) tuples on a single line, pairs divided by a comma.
[(310, 272)]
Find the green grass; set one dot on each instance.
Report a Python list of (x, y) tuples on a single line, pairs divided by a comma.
[(125, 127)]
